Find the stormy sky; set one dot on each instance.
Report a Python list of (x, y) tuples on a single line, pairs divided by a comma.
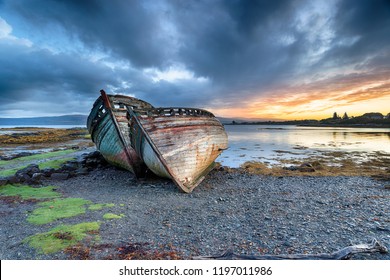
[(264, 59)]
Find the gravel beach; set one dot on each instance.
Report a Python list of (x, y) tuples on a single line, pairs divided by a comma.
[(252, 214)]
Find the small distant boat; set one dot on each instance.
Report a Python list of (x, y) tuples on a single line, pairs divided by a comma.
[(108, 126), (177, 143)]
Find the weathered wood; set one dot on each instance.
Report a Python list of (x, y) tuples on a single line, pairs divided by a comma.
[(177, 143), (109, 130), (342, 254)]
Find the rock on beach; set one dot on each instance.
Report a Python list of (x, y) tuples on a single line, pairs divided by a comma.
[(250, 213)]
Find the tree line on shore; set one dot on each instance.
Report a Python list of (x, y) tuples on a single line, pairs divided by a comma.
[(365, 120)]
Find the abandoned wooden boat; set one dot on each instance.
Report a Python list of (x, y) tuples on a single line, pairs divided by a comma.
[(108, 126), (177, 143)]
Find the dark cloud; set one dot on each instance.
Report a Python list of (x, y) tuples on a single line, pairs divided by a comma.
[(125, 28), (362, 32), (230, 42), (369, 20), (236, 50), (249, 15), (30, 75)]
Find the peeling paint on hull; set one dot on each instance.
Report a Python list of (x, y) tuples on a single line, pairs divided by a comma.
[(182, 147), (178, 143), (107, 124)]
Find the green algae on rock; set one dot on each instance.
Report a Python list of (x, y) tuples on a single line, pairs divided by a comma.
[(100, 206), (45, 160), (50, 211), (62, 237), (55, 164), (110, 216), (27, 192), (37, 157)]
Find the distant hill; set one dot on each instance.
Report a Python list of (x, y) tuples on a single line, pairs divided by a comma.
[(366, 120), (229, 120), (224, 120), (58, 120)]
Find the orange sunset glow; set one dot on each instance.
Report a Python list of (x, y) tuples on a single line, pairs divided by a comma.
[(355, 95)]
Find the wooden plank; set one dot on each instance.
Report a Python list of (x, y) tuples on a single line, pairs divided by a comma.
[(188, 145), (109, 130)]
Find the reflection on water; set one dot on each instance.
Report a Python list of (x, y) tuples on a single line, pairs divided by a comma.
[(274, 143)]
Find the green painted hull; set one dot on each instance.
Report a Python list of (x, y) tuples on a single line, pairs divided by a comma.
[(109, 131)]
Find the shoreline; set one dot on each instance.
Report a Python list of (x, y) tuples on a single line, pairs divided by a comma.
[(316, 125)]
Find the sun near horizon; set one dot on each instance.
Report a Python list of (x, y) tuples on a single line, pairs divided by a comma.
[(298, 103), (275, 112)]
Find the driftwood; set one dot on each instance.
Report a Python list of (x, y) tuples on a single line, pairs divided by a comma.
[(342, 254)]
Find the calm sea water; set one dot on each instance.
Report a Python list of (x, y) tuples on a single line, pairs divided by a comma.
[(272, 143)]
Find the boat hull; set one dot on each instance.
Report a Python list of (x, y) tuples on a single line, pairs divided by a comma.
[(181, 144), (108, 126)]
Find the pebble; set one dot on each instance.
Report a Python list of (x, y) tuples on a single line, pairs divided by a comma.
[(59, 176), (249, 213)]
